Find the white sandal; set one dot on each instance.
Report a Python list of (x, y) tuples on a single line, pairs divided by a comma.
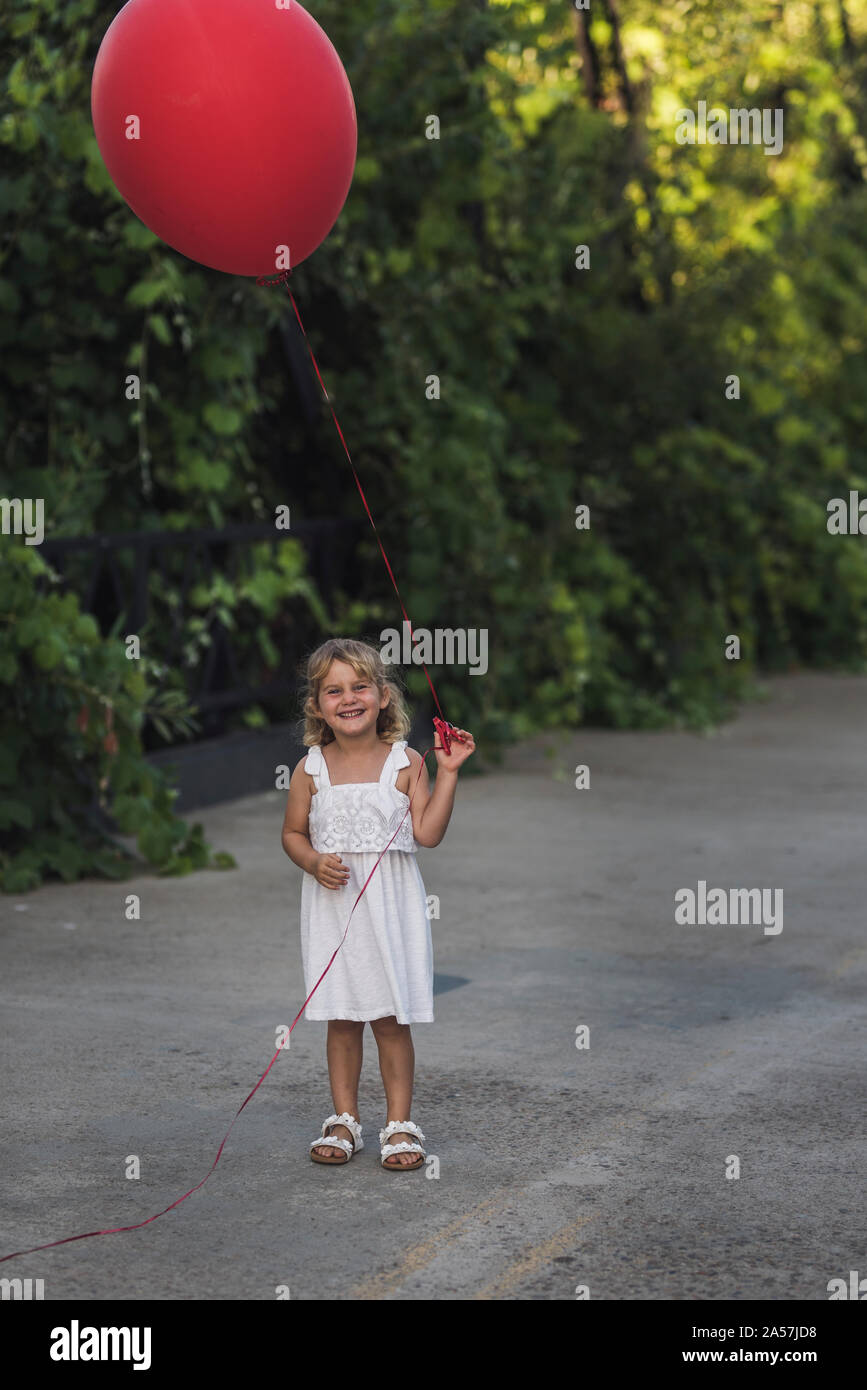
[(333, 1142), (396, 1127)]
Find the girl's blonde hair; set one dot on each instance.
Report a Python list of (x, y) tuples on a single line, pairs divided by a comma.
[(393, 722)]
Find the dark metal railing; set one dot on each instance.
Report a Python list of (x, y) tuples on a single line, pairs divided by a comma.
[(145, 577)]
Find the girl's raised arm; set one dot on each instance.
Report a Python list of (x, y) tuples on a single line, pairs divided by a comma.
[(431, 811)]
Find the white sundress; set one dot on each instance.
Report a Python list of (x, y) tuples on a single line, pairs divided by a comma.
[(385, 965)]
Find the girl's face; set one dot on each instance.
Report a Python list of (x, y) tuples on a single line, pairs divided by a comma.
[(349, 702)]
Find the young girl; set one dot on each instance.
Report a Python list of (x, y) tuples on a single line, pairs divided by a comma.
[(347, 798)]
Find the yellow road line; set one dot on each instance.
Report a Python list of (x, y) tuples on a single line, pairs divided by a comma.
[(846, 962), (379, 1285), (561, 1243)]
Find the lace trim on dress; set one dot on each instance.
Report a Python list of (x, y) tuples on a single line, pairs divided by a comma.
[(360, 816)]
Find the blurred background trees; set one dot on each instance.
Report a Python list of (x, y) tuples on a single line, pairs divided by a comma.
[(559, 387)]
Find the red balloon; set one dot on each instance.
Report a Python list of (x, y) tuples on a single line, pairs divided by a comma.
[(246, 134)]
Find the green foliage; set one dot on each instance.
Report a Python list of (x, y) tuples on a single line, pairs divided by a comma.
[(72, 707), (455, 257)]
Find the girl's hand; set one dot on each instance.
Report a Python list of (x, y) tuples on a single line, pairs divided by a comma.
[(460, 750), (330, 871)]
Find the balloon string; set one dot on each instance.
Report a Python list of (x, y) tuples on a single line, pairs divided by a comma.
[(283, 279), (117, 1230)]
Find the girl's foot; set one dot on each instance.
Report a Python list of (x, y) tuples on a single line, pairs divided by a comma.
[(404, 1159), (328, 1150)]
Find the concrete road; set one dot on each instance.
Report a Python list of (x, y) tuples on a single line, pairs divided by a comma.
[(605, 1166)]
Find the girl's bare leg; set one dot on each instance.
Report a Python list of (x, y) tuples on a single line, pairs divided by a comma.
[(345, 1049), (397, 1067)]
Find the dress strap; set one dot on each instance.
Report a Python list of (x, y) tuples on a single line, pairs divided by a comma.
[(396, 759), (316, 765)]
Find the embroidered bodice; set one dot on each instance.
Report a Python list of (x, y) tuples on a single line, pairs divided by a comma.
[(357, 816)]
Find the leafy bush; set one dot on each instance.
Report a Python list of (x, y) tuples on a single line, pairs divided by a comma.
[(72, 706)]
